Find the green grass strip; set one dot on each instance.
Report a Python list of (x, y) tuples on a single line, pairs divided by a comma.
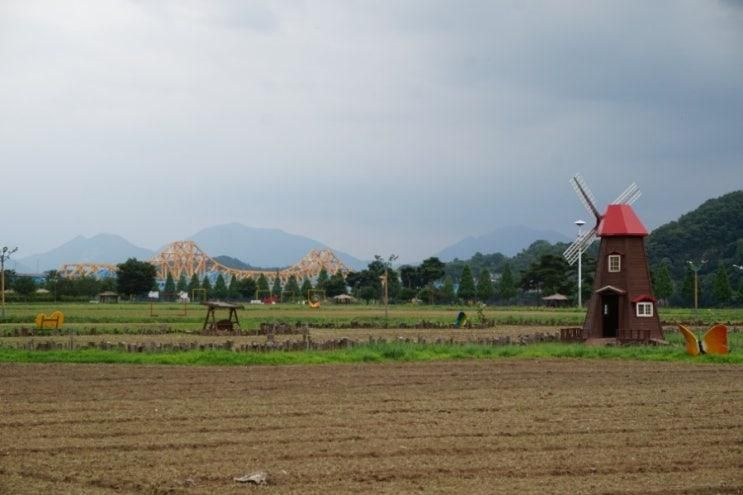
[(374, 353)]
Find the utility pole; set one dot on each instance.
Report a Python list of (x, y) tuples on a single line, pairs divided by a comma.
[(385, 283), (695, 268), (4, 255)]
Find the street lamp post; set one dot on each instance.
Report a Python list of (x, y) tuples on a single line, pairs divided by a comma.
[(580, 224), (695, 268), (4, 255), (385, 282)]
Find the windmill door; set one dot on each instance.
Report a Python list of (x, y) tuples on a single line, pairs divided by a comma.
[(610, 315)]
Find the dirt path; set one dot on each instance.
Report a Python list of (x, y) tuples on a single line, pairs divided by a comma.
[(509, 426)]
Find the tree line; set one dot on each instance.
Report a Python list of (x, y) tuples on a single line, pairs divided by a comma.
[(491, 279)]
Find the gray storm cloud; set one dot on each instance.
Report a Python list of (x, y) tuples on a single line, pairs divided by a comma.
[(372, 126)]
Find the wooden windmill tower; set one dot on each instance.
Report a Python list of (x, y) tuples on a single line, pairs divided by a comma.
[(622, 305)]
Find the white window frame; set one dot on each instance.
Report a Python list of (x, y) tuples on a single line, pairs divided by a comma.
[(644, 309), (618, 258)]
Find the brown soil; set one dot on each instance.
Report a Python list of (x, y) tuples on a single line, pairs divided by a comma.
[(319, 334), (510, 426)]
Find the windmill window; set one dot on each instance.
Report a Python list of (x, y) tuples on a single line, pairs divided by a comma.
[(615, 263), (645, 309)]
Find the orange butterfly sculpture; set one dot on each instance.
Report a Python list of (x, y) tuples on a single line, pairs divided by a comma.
[(714, 341)]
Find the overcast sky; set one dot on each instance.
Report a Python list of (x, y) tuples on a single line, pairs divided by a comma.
[(373, 126)]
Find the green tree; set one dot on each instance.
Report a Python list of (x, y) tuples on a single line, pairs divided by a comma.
[(370, 280), (409, 276), (220, 287), (262, 289), (247, 287), (687, 288), (276, 288), (193, 284), (169, 288), (549, 275), (135, 277), (182, 285), (207, 286), (233, 291), (722, 290), (466, 290), (322, 279), (662, 283), (367, 293), (484, 286), (292, 288), (430, 270), (306, 287), (447, 295), (52, 282), (506, 285), (336, 285), (24, 286)]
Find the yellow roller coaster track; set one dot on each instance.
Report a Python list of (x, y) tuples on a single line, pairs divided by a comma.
[(185, 257)]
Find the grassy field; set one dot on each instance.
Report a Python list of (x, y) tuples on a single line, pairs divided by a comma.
[(383, 352), (141, 317), (132, 323)]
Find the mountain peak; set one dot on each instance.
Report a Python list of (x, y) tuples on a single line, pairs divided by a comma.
[(100, 248), (508, 240), (261, 247)]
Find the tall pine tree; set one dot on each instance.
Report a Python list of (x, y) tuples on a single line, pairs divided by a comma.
[(507, 286), (247, 287), (233, 291), (182, 285), (207, 286), (220, 287), (721, 290), (447, 290), (291, 290), (466, 290), (662, 283), (306, 287), (276, 288), (322, 279), (484, 286), (687, 288), (169, 289), (262, 289)]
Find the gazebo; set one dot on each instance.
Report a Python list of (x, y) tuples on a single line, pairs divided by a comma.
[(343, 299), (212, 325), (556, 300), (108, 297)]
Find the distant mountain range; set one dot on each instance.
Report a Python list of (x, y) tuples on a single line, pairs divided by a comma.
[(262, 247), (234, 243), (506, 240), (101, 248), (238, 245)]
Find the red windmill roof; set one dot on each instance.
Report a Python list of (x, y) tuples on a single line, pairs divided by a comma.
[(620, 220)]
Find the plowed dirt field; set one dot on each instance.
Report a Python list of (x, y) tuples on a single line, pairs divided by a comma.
[(508, 426)]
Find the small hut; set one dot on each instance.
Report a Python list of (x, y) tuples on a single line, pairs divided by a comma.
[(108, 297), (556, 300), (343, 299)]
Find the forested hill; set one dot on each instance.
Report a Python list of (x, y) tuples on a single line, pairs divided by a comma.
[(713, 232)]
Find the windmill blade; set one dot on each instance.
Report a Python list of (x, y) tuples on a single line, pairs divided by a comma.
[(581, 243), (629, 196), (585, 195)]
